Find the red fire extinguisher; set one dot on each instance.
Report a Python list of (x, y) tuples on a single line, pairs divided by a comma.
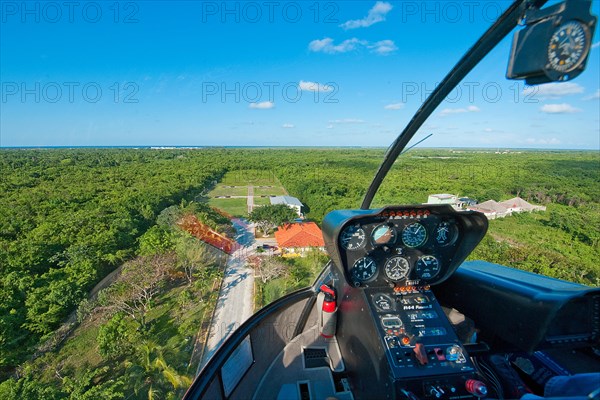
[(328, 319)]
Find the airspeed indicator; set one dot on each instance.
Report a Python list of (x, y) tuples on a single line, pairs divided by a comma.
[(414, 235)]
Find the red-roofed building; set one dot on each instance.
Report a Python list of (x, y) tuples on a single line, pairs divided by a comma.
[(298, 238)]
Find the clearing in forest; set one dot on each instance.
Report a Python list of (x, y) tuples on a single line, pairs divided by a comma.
[(239, 191)]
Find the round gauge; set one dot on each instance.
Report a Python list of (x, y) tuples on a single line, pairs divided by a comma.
[(397, 268), (383, 234), (427, 267), (364, 269), (353, 238), (569, 46), (383, 302), (445, 233), (414, 235)]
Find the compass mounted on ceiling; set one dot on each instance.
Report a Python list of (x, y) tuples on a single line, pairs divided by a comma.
[(555, 43)]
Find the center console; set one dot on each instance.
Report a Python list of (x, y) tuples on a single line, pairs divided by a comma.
[(425, 356)]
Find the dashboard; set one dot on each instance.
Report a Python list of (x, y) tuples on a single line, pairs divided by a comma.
[(389, 259), (401, 246)]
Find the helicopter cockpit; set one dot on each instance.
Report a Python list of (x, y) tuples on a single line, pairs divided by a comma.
[(397, 313)]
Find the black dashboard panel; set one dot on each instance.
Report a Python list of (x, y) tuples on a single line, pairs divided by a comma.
[(524, 310), (401, 245)]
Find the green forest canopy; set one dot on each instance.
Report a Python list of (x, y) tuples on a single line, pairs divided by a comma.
[(69, 217)]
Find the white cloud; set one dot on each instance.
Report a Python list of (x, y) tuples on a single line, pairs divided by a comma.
[(563, 108), (596, 45), (265, 105), (395, 106), (288, 126), (314, 87), (329, 126), (327, 45), (594, 96), (375, 15), (347, 121), (383, 47), (449, 111), (553, 90), (488, 130)]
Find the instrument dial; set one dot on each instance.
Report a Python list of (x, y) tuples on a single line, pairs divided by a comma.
[(383, 234), (568, 46), (364, 269), (383, 302), (353, 238), (397, 268), (427, 267), (414, 235), (445, 233)]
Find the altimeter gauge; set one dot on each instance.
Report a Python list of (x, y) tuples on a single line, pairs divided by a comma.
[(364, 269), (568, 47), (353, 238)]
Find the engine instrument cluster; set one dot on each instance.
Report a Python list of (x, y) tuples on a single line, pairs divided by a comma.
[(401, 245)]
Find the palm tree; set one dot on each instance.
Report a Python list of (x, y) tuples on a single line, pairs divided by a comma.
[(151, 376)]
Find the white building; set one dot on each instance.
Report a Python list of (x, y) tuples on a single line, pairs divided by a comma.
[(517, 204), (492, 209), (289, 201), (443, 198)]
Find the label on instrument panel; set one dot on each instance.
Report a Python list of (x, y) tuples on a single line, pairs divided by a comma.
[(417, 307)]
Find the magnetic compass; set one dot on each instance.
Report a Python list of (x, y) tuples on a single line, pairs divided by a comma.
[(568, 47)]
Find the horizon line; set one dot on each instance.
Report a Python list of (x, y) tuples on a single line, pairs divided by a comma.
[(194, 147)]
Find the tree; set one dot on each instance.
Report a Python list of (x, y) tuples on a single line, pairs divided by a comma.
[(140, 281), (28, 388), (270, 217), (156, 240), (88, 387), (269, 268), (151, 374), (192, 255), (114, 337), (48, 303)]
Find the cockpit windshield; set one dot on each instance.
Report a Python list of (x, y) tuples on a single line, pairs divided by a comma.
[(159, 157)]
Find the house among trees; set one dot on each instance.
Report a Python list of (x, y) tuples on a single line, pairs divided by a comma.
[(289, 201), (493, 209), (299, 238), (517, 204)]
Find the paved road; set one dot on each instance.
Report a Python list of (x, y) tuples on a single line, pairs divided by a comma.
[(250, 199), (236, 298)]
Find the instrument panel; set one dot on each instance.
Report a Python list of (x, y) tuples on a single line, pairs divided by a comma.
[(401, 245)]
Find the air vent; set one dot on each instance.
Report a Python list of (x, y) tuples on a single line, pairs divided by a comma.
[(315, 358), (304, 391)]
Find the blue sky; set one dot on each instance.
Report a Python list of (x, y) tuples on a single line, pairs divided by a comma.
[(272, 74)]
